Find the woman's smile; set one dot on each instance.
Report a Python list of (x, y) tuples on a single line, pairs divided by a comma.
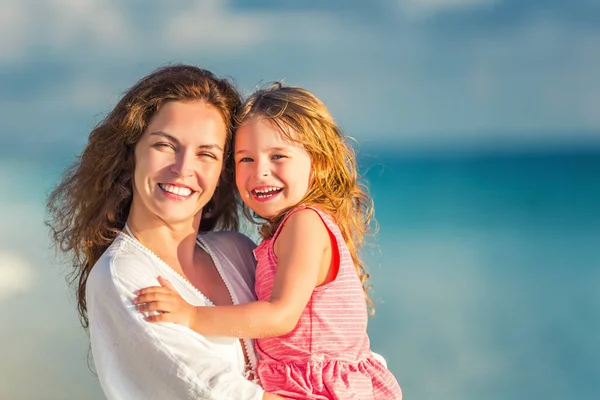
[(175, 191)]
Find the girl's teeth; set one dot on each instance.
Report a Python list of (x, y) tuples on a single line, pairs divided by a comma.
[(263, 191), (178, 190), (266, 192)]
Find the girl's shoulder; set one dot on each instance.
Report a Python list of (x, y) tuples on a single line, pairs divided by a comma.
[(308, 207), (310, 215), (305, 224)]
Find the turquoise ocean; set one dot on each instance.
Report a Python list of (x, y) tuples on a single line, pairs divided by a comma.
[(485, 274), (488, 281)]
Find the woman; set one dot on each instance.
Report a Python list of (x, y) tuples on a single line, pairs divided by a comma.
[(143, 201)]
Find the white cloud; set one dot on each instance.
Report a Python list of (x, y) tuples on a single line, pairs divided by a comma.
[(211, 25), (445, 3), (420, 9), (82, 93), (12, 29), (182, 28), (208, 25), (16, 275), (61, 25), (100, 21)]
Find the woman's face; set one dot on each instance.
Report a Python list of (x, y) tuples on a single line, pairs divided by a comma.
[(178, 161)]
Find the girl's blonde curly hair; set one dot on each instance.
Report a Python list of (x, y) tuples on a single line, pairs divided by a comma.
[(336, 187)]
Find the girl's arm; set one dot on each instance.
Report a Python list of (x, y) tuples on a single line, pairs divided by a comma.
[(303, 249), (271, 396)]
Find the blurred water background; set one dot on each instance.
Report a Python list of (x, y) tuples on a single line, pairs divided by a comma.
[(478, 130), (489, 274), (485, 278)]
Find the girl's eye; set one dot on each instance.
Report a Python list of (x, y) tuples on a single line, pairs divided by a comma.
[(277, 157), (245, 159)]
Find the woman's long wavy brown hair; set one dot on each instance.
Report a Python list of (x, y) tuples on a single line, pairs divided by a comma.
[(90, 205), (336, 186)]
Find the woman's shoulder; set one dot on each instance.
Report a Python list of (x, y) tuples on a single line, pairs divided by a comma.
[(122, 264)]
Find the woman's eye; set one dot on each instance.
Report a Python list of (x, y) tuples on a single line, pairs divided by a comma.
[(164, 145), (207, 155), (245, 159)]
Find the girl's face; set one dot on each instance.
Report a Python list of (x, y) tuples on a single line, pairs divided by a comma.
[(178, 161), (271, 173)]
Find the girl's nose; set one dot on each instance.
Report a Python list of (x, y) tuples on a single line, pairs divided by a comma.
[(262, 169)]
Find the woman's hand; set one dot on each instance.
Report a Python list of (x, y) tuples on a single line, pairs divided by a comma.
[(166, 300)]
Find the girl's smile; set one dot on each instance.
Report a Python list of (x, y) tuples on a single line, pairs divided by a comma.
[(266, 193)]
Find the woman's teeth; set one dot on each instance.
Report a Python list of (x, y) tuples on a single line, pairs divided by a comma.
[(178, 190)]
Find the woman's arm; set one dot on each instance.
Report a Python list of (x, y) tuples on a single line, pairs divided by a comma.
[(138, 360), (300, 249)]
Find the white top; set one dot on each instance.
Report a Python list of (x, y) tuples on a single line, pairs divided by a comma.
[(136, 359)]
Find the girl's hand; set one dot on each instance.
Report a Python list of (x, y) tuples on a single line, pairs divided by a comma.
[(166, 300)]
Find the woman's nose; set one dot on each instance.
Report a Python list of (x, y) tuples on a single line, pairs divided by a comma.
[(183, 166)]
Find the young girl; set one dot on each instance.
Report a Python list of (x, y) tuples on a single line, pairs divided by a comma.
[(295, 170)]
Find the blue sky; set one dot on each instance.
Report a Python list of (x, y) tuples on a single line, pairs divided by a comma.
[(403, 73)]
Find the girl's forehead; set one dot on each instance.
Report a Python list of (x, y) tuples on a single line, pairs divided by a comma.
[(266, 129), (266, 134)]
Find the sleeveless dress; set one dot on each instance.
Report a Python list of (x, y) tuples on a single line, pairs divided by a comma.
[(327, 355)]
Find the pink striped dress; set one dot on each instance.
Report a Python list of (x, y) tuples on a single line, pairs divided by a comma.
[(327, 355)]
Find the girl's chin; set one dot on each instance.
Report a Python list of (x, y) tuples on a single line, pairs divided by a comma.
[(266, 214)]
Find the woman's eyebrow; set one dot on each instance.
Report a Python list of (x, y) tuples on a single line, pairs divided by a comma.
[(165, 135), (209, 146), (213, 146)]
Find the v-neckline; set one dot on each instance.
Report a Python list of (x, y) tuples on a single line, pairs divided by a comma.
[(204, 246), (180, 277)]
